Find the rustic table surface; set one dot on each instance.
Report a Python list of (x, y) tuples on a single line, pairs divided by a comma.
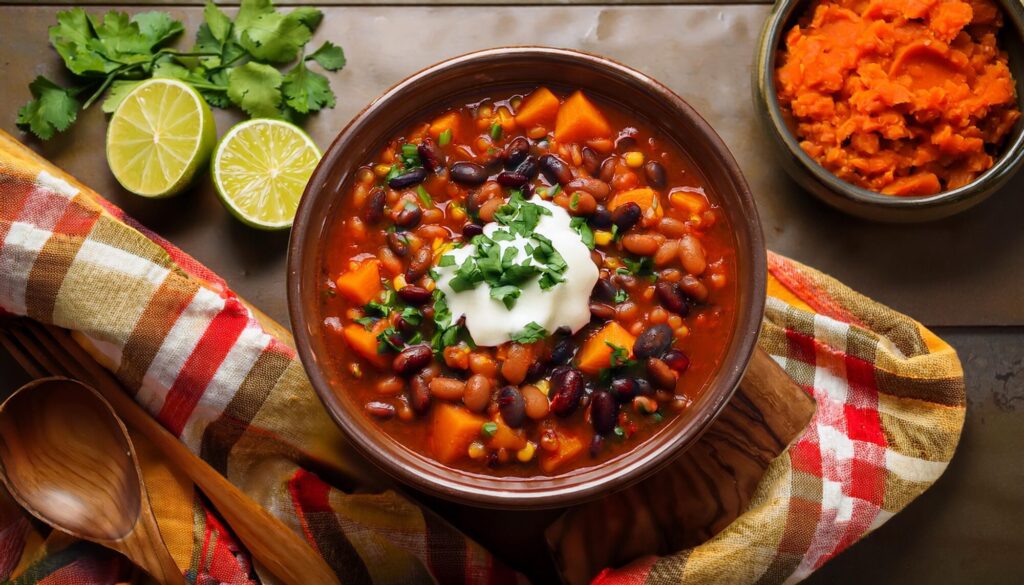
[(962, 276)]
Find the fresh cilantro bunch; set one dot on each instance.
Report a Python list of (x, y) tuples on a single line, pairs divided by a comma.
[(231, 63)]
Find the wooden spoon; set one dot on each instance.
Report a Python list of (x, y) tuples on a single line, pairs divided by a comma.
[(68, 460)]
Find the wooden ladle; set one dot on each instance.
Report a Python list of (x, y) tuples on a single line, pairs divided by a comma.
[(68, 460)]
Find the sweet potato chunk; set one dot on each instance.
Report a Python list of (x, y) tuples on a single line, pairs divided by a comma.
[(362, 284), (449, 121), (452, 429), (569, 447), (538, 109), (579, 120), (596, 353), (364, 343)]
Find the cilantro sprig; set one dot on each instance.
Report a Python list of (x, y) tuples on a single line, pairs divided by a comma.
[(232, 63)]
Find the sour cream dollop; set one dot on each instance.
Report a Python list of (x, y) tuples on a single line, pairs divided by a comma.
[(565, 304)]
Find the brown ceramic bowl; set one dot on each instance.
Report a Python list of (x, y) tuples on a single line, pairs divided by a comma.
[(473, 75)]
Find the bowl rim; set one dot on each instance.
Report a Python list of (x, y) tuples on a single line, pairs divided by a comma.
[(578, 485), (767, 102)]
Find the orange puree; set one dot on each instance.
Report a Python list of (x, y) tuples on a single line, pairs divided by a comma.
[(902, 97)]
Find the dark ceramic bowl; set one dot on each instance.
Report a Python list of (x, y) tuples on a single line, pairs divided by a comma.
[(454, 82), (855, 200)]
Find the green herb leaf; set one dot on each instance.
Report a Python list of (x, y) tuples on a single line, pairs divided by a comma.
[(445, 137), (248, 12), (118, 91), (530, 334), (586, 234), (53, 109), (506, 294), (329, 56), (489, 428), (255, 88), (157, 27), (620, 356), (72, 37), (218, 24), (496, 131), (621, 296), (306, 91), (385, 342), (425, 198), (275, 38)]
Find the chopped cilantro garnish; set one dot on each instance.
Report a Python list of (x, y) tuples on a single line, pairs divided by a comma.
[(425, 198), (446, 261), (489, 428), (621, 296), (620, 356), (412, 316), (530, 334), (586, 234), (385, 340), (410, 156), (640, 267)]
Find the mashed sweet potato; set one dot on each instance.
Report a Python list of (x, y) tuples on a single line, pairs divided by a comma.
[(902, 97)]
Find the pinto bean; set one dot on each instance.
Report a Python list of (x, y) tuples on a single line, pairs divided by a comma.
[(667, 253), (390, 386), (693, 287), (536, 403), (661, 374), (488, 209), (390, 261), (582, 203), (483, 364), (447, 388), (672, 227), (516, 364), (419, 394), (691, 255), (642, 244), (380, 409), (478, 393), (596, 187), (607, 171)]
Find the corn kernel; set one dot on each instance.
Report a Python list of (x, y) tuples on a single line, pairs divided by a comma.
[(544, 386), (634, 159), (381, 170), (477, 450), (526, 453), (428, 283), (611, 263), (602, 237), (457, 212), (400, 281), (356, 370)]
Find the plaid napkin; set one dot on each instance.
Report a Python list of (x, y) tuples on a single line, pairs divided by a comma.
[(227, 382)]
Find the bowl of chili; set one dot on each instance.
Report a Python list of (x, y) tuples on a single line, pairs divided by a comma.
[(525, 277), (903, 130)]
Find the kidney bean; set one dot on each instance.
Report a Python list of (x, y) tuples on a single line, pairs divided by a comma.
[(516, 152), (602, 311), (478, 393), (653, 341), (447, 388), (412, 359), (421, 261), (582, 203), (408, 179), (661, 374), (591, 161), (642, 244), (390, 386), (607, 172), (601, 218), (656, 175), (693, 287), (563, 351), (529, 167), (468, 173), (406, 328), (397, 243), (676, 360), (604, 411), (596, 445), (414, 295), (626, 141), (375, 206), (419, 394), (488, 209), (535, 401), (512, 179), (691, 255), (432, 155), (566, 390), (409, 217), (512, 406), (626, 215), (596, 187), (555, 169), (667, 253), (672, 298), (624, 389), (380, 409), (603, 291), (516, 364)]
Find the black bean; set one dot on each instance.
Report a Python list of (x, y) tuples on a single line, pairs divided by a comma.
[(653, 341), (468, 173), (412, 359), (563, 351), (602, 311), (555, 169), (419, 265), (380, 409), (643, 387), (604, 291), (419, 394), (604, 411), (375, 206), (624, 389), (527, 191), (409, 217), (655, 173), (676, 360), (516, 152), (472, 230), (529, 167), (596, 444), (566, 390), (414, 295), (626, 215), (511, 179), (432, 155), (661, 374), (626, 140), (512, 406), (535, 371), (672, 297), (601, 218), (591, 161), (408, 179), (397, 243), (607, 172)]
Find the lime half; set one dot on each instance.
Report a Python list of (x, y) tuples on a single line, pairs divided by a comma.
[(159, 136), (260, 169)]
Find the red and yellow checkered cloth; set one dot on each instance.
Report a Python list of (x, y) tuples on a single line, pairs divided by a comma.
[(226, 381)]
